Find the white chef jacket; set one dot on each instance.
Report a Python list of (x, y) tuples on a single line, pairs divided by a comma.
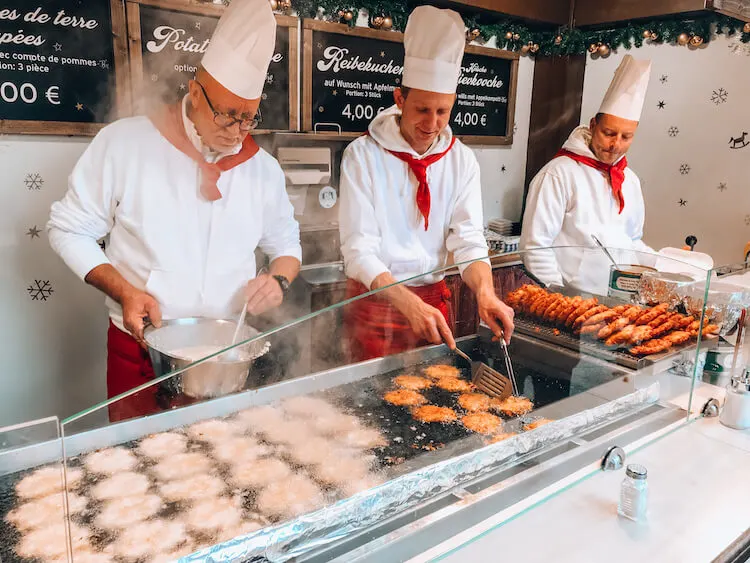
[(568, 202), (381, 227), (193, 256)]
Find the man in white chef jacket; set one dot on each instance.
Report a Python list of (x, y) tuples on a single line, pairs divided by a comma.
[(186, 197), (588, 189), (410, 196)]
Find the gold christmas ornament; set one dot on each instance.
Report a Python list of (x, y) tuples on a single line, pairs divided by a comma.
[(509, 35), (516, 37), (683, 39), (534, 48), (377, 22), (274, 5), (593, 47), (696, 41), (654, 36), (647, 34), (387, 22), (341, 13), (285, 5), (746, 28), (558, 40), (348, 15), (603, 50), (472, 34)]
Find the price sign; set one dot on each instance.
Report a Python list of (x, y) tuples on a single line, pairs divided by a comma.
[(57, 65)]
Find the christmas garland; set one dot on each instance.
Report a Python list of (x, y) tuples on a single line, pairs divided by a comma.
[(512, 35)]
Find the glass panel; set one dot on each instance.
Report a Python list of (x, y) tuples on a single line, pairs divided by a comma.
[(347, 418), (37, 492), (724, 341)]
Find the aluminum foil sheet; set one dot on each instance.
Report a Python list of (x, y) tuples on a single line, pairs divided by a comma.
[(364, 510)]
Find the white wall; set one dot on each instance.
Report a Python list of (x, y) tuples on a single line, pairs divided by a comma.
[(502, 192), (720, 219), (53, 350)]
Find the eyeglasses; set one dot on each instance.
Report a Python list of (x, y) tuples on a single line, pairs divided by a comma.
[(227, 120)]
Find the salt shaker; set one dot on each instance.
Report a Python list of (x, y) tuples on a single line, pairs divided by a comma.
[(634, 494)]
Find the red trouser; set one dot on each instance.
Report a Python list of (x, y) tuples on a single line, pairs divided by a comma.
[(128, 366), (375, 328)]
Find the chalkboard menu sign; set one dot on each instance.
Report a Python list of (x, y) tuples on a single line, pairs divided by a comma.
[(350, 75), (168, 41), (59, 65)]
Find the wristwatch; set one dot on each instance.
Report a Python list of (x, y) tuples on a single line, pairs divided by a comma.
[(283, 282)]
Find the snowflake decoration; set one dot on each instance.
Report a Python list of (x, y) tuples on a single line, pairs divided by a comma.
[(269, 79), (34, 181), (719, 96), (183, 87), (264, 96), (79, 106), (682, 202), (382, 53), (503, 168), (684, 169), (722, 187), (40, 290), (673, 131), (661, 105), (33, 232), (154, 77), (664, 78), (747, 220), (197, 25), (104, 64)]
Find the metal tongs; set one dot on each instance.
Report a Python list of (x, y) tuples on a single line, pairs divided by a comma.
[(491, 381)]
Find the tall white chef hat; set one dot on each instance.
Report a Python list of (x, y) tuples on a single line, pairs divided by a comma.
[(627, 91), (434, 43), (241, 48)]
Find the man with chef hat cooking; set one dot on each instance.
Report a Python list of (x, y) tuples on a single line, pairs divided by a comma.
[(186, 197), (588, 189), (410, 196)]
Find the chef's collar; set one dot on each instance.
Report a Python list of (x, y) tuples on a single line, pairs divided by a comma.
[(209, 154), (386, 130)]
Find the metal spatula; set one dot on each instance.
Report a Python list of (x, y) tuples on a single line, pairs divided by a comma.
[(488, 380)]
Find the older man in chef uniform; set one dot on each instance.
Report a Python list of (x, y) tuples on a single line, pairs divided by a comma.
[(186, 197), (410, 196), (588, 189)]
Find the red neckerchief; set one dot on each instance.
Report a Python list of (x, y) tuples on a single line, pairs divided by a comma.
[(615, 172), (419, 167), (168, 120)]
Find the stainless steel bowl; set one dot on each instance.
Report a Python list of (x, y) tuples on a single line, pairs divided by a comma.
[(170, 349)]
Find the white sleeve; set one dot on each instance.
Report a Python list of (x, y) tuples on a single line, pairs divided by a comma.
[(546, 205), (358, 226), (466, 226), (86, 212), (636, 227), (280, 229)]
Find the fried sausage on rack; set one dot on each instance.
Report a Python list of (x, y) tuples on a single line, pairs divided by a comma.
[(588, 314), (663, 329), (566, 311), (603, 317), (622, 337), (684, 322), (708, 330), (615, 326), (633, 313), (580, 310), (592, 330), (651, 347), (651, 314), (677, 337), (660, 320), (640, 334)]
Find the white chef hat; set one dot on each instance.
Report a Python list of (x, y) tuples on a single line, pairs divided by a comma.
[(434, 43), (627, 91), (241, 48)]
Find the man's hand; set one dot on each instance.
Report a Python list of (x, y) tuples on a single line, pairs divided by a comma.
[(492, 310), (429, 323), (137, 306), (263, 293)]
